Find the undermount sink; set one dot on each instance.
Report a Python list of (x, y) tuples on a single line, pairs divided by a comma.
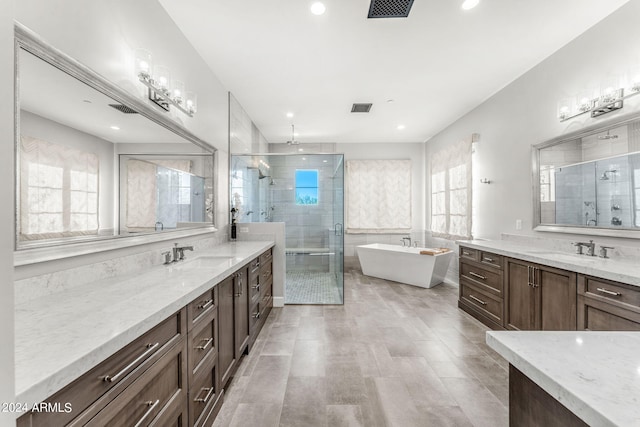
[(206, 261)]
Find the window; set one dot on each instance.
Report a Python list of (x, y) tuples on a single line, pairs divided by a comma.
[(547, 183), (378, 196), (451, 192), (306, 187), (58, 191)]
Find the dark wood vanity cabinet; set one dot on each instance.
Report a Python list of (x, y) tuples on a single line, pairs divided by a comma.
[(604, 305), (508, 293), (482, 285), (174, 374), (539, 297)]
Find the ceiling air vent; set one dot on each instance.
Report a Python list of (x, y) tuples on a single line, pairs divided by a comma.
[(390, 8), (123, 109), (361, 108)]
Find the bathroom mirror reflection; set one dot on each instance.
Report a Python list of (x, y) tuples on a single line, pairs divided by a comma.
[(590, 183), (77, 137)]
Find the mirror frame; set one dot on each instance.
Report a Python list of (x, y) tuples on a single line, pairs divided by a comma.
[(629, 233), (27, 40)]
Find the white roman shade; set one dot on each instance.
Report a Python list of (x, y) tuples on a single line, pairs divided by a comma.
[(378, 196), (451, 192)]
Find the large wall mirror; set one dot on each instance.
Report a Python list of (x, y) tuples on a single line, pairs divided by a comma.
[(94, 162), (589, 182)]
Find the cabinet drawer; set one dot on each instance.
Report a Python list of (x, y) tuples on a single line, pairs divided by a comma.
[(203, 341), (267, 288), (597, 315), (618, 293), (468, 253), (493, 260), (113, 375), (254, 289), (161, 387), (203, 393), (254, 266), (265, 272), (481, 301), (486, 278), (255, 315), (204, 304), (266, 256)]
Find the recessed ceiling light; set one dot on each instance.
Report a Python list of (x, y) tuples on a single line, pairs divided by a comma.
[(300, 149), (115, 127), (469, 4), (390, 101), (400, 127), (318, 8), (296, 134), (304, 158), (289, 115), (325, 161), (87, 101)]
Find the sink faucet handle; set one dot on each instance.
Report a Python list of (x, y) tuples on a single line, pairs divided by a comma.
[(578, 246), (167, 257), (603, 251)]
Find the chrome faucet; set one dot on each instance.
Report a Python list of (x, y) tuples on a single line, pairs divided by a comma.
[(405, 240), (591, 247), (178, 252)]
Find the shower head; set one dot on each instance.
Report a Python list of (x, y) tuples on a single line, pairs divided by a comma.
[(605, 174)]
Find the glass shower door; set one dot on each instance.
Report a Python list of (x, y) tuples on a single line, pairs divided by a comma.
[(337, 245)]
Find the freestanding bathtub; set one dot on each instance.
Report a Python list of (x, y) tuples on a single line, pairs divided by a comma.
[(403, 264)]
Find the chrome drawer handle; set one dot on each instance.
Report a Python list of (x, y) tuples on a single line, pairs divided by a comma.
[(150, 349), (471, 273), (477, 300), (205, 304), (204, 347), (256, 315), (608, 292), (152, 405), (465, 253), (488, 259), (257, 287), (209, 391)]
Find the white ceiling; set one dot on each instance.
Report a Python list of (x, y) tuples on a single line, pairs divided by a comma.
[(437, 64)]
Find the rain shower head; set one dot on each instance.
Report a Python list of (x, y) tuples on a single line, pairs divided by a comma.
[(605, 174)]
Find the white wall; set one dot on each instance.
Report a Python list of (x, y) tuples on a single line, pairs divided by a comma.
[(524, 114), (6, 213), (390, 151)]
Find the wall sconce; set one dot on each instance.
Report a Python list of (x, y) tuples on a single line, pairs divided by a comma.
[(609, 98), (162, 89)]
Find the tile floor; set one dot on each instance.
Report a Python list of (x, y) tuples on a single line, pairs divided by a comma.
[(311, 287), (393, 355)]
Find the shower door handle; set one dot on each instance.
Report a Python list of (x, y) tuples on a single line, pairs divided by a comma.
[(337, 229)]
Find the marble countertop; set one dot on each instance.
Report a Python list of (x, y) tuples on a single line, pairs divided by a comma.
[(59, 337), (606, 268), (596, 375)]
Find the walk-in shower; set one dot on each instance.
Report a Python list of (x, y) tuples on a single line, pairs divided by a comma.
[(306, 192)]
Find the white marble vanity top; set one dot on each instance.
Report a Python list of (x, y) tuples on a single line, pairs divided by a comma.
[(624, 271), (59, 337), (596, 375)]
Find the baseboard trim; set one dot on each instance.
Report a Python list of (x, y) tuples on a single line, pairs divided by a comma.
[(278, 301)]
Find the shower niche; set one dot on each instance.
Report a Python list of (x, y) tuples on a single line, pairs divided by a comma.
[(589, 183)]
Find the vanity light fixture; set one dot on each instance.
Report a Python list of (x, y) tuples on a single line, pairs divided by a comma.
[(163, 91), (609, 98)]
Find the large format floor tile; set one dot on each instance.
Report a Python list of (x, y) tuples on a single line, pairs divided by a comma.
[(392, 355)]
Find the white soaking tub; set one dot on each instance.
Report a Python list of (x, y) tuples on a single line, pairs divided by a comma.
[(403, 264)]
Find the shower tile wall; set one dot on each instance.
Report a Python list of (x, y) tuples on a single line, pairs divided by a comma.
[(614, 194), (575, 194), (308, 226)]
